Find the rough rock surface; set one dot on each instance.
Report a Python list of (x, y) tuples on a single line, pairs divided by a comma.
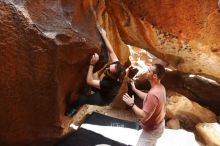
[(193, 24), (189, 113), (45, 51), (187, 40), (210, 133), (173, 124)]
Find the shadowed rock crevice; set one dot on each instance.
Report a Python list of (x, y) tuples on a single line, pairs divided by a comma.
[(194, 87)]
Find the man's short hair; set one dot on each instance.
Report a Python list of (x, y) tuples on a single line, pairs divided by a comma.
[(120, 71), (159, 71)]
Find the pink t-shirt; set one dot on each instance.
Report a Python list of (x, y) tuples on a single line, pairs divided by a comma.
[(154, 103)]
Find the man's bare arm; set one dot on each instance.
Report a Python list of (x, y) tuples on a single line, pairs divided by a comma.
[(112, 54), (140, 113), (139, 93), (130, 101), (90, 76)]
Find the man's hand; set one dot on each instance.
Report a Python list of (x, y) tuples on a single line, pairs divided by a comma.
[(94, 59), (98, 26), (128, 100), (107, 43)]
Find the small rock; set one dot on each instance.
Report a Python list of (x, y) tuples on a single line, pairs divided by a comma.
[(173, 124)]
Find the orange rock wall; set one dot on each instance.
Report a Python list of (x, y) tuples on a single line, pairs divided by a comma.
[(182, 18), (182, 33)]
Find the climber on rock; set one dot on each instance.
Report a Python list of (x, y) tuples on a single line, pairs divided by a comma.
[(106, 88)]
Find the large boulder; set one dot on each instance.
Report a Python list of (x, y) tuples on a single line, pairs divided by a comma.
[(45, 51), (183, 33), (209, 132), (189, 113)]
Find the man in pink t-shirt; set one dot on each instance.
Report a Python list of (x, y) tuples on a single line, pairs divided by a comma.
[(153, 112)]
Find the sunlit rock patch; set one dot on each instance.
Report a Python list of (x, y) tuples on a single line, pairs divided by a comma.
[(210, 133)]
